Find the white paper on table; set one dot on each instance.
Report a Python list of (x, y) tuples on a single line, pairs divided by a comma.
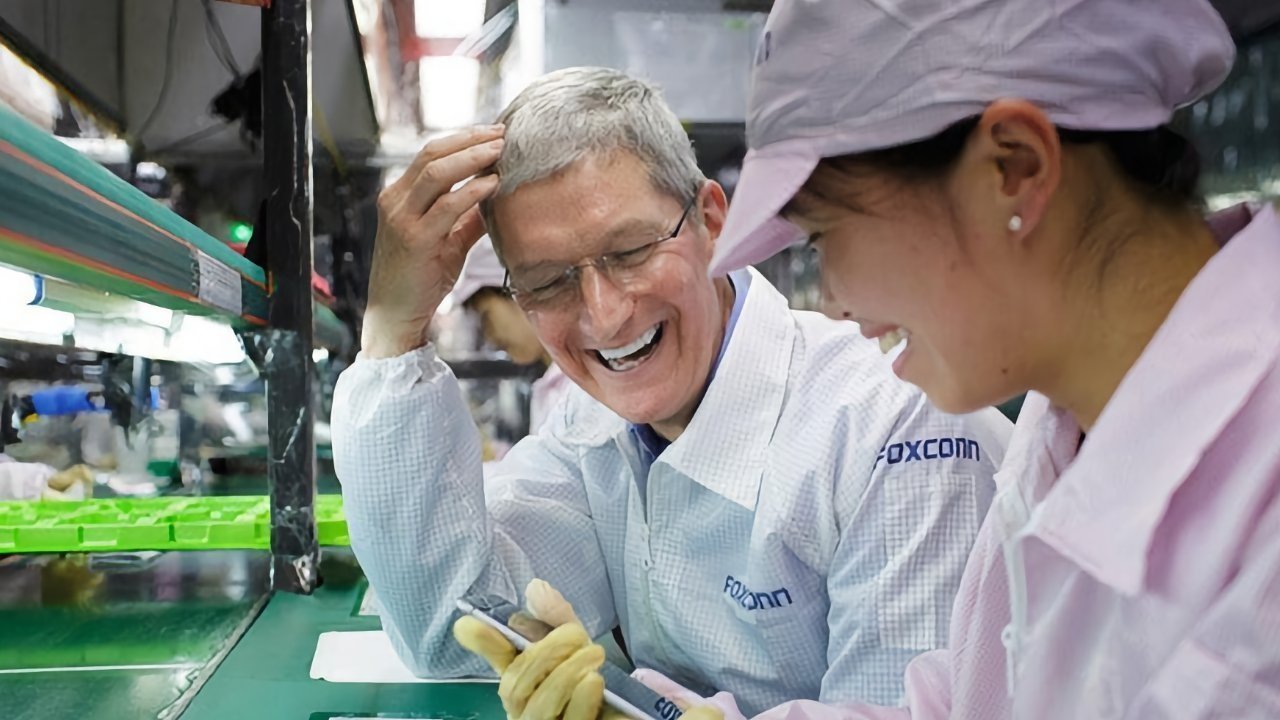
[(365, 656)]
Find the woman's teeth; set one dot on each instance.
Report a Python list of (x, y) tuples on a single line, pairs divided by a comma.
[(891, 339)]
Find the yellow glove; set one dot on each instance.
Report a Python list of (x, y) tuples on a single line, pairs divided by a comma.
[(74, 475), (68, 581), (557, 676)]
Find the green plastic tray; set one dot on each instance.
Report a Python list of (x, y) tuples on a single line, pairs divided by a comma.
[(182, 523)]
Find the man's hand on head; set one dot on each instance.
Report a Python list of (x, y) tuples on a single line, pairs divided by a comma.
[(425, 228)]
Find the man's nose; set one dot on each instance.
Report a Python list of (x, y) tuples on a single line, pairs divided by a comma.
[(606, 306)]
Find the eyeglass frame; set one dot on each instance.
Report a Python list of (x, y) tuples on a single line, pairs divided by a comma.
[(574, 272)]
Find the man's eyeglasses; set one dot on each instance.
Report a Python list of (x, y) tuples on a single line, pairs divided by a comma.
[(557, 288)]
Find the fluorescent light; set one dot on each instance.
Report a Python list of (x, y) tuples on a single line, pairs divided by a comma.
[(447, 18), (449, 91), (528, 61), (110, 323), (190, 338), (154, 315), (150, 171), (200, 339), (224, 374), (31, 323), (108, 151), (85, 302), (18, 288)]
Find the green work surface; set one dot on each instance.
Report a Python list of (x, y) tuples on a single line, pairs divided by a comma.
[(167, 523), (267, 675), (130, 634), (122, 694), (87, 639)]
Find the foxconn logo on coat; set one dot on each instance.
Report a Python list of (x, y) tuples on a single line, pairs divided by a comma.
[(751, 600), (932, 449)]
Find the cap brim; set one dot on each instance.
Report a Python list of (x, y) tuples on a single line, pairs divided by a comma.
[(753, 231)]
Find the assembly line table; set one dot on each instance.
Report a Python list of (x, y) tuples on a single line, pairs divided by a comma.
[(97, 638), (118, 636), (267, 675)]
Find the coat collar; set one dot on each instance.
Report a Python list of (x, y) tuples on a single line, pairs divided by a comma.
[(726, 444), (1218, 343)]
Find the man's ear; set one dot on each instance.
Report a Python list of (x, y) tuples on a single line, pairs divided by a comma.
[(714, 208)]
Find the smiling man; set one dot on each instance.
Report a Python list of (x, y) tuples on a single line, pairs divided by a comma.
[(745, 491)]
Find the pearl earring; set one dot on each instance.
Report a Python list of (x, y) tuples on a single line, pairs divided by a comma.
[(1015, 223)]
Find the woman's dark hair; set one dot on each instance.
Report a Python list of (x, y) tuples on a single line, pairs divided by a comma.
[(473, 302), (1162, 164)]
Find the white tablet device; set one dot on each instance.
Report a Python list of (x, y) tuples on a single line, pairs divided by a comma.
[(621, 692)]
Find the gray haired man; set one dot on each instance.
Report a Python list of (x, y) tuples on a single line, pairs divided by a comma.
[(737, 486)]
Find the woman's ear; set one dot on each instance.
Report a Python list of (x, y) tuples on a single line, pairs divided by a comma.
[(1016, 156)]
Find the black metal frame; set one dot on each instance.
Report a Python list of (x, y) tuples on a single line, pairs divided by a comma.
[(286, 109), (364, 68)]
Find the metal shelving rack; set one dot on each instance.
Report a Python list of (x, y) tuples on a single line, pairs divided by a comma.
[(65, 216)]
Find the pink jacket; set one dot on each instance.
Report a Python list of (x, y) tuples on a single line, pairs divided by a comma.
[(1136, 575)]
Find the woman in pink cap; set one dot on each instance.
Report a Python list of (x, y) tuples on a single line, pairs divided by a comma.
[(992, 184)]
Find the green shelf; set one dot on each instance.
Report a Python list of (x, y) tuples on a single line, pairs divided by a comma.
[(185, 523), (65, 216)]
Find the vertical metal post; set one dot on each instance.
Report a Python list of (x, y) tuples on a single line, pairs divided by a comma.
[(286, 110)]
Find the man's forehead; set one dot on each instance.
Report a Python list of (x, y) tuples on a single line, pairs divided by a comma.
[(571, 215)]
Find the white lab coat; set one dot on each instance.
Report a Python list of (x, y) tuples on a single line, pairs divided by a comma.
[(804, 537), (23, 481), (545, 393)]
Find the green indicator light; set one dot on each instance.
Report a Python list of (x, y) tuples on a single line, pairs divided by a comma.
[(241, 232)]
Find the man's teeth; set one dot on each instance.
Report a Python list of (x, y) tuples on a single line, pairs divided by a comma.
[(630, 349), (890, 340)]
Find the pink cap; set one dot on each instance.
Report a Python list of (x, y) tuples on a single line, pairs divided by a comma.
[(835, 77), (481, 270)]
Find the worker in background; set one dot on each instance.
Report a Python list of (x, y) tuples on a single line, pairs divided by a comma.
[(37, 481), (480, 290), (745, 491), (994, 184), (34, 480)]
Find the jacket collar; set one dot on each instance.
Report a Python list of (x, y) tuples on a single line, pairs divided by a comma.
[(1220, 340), (725, 446)]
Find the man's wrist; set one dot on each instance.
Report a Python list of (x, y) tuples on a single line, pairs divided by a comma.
[(381, 340)]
